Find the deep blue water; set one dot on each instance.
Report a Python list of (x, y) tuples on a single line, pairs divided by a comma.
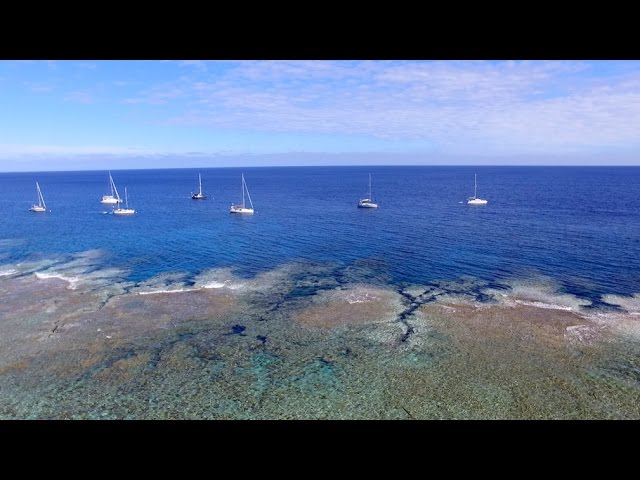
[(578, 225)]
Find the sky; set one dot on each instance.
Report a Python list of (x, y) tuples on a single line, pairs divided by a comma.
[(93, 115)]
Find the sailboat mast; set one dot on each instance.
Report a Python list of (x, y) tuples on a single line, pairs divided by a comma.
[(475, 185), (248, 195), (40, 197), (370, 197), (200, 183), (243, 190), (114, 188)]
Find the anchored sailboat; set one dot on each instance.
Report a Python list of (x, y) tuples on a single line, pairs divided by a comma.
[(368, 202), (41, 206), (110, 199), (475, 200), (199, 195), (126, 210), (242, 208)]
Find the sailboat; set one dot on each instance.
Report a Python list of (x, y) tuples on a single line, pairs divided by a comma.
[(41, 206), (126, 210), (199, 195), (475, 200), (242, 208), (368, 202), (110, 199)]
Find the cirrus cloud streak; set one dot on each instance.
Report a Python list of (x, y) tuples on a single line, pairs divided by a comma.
[(458, 106)]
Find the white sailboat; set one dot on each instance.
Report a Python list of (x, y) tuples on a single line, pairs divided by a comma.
[(368, 202), (126, 210), (199, 195), (475, 200), (242, 208), (111, 199), (41, 206)]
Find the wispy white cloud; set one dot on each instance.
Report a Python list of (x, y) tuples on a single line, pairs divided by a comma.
[(459, 106), (87, 65), (80, 97), (277, 70), (9, 150), (199, 65), (38, 87), (157, 95)]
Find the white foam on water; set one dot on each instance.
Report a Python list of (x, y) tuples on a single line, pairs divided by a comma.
[(109, 279), (213, 274), (226, 284), (219, 278), (79, 270), (619, 323), (71, 267), (360, 297), (544, 305), (10, 271), (459, 299), (172, 290), (629, 303), (33, 266), (73, 281), (163, 283), (176, 283), (281, 279), (540, 293)]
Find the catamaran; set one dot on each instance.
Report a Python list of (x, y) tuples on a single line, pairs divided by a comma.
[(126, 210), (242, 208), (41, 206), (109, 199), (475, 200), (199, 195), (368, 202)]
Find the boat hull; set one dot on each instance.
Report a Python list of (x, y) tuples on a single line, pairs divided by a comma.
[(477, 201), (197, 196), (240, 210), (367, 205), (37, 208), (124, 211)]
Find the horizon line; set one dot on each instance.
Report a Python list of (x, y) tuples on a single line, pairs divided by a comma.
[(326, 166)]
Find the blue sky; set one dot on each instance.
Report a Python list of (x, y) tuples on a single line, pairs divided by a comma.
[(71, 115)]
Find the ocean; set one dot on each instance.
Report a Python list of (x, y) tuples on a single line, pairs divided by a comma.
[(322, 293), (578, 225)]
